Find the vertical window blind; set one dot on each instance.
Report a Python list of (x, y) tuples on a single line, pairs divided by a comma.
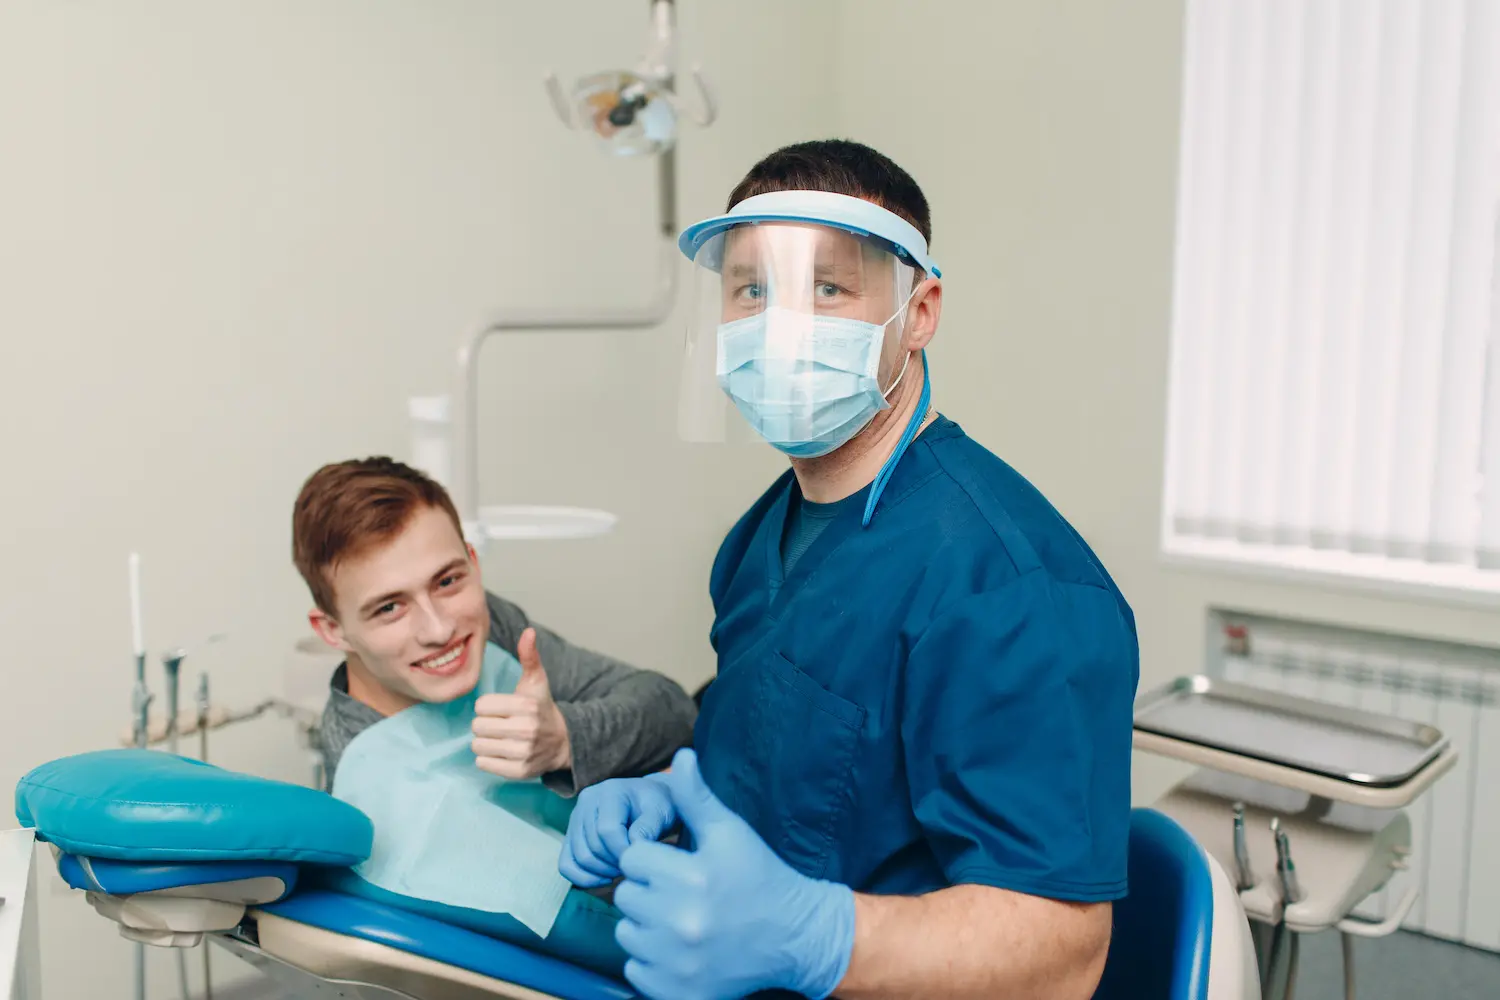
[(1334, 404)]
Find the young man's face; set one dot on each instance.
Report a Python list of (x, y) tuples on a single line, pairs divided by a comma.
[(411, 613)]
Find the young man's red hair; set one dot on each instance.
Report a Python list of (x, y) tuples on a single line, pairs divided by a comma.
[(346, 507)]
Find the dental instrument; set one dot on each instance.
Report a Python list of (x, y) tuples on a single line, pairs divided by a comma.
[(172, 669), (202, 705), (631, 113), (1291, 892), (1246, 877)]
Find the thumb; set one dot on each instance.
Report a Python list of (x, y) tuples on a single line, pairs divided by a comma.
[(695, 802), (533, 676)]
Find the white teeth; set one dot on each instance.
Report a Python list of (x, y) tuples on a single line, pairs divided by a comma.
[(442, 661)]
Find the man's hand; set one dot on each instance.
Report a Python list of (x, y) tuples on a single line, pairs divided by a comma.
[(728, 918), (609, 817), (522, 735)]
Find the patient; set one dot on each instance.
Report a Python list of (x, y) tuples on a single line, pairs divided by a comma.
[(396, 589)]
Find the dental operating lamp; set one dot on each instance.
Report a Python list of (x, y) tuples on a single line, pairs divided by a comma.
[(630, 113)]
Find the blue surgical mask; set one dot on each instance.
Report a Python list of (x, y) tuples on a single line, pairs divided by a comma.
[(812, 404)]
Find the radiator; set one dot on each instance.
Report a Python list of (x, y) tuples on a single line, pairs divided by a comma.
[(1456, 824)]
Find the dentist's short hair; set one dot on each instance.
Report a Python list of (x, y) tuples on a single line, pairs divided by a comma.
[(839, 166), (348, 507)]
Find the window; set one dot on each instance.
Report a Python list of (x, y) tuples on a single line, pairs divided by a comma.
[(1334, 405)]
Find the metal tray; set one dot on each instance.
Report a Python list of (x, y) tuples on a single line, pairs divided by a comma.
[(1344, 743)]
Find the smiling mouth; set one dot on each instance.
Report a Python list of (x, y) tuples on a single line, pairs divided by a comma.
[(450, 660)]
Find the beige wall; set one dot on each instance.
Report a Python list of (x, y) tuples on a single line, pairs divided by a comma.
[(235, 237), (1045, 134)]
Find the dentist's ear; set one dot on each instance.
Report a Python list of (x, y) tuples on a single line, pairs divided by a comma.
[(923, 314), (328, 629)]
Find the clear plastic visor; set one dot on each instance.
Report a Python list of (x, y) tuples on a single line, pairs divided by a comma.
[(786, 320)]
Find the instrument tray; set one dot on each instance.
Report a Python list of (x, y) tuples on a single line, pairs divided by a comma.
[(1347, 744)]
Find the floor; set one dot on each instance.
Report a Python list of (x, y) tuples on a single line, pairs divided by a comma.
[(1399, 967)]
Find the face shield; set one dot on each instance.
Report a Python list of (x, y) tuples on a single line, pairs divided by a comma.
[(796, 328)]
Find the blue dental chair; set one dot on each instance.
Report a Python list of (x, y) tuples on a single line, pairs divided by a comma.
[(174, 850), (1181, 934)]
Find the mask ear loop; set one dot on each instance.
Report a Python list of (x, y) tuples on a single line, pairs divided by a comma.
[(906, 362), (899, 376)]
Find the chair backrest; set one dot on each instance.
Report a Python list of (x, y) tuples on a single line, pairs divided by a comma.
[(1163, 928)]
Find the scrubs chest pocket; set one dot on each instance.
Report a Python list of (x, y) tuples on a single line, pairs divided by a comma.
[(794, 745)]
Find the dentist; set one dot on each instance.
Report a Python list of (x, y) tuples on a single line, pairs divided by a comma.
[(911, 773)]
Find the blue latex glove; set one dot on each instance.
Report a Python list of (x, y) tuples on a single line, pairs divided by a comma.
[(730, 917), (608, 818)]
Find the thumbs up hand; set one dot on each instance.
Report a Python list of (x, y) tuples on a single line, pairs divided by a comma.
[(729, 918), (522, 735)]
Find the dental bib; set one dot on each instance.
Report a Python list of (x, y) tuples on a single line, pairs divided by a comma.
[(445, 831)]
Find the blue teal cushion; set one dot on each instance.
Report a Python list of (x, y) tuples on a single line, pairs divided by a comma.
[(146, 805)]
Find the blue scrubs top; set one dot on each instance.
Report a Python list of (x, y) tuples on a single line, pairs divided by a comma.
[(943, 697)]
